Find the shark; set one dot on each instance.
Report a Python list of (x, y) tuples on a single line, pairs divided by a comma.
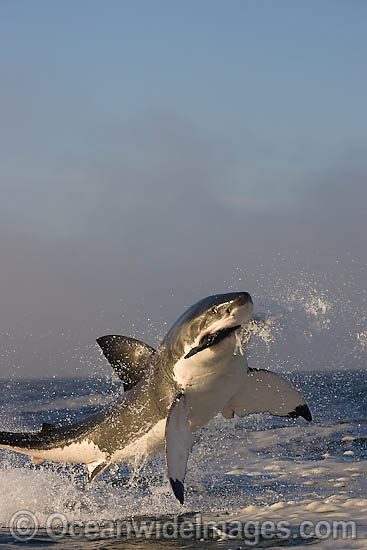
[(199, 370)]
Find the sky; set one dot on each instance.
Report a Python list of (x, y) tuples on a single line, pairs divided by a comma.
[(152, 153)]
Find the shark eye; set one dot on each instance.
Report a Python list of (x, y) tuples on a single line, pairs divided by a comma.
[(228, 311), (215, 309)]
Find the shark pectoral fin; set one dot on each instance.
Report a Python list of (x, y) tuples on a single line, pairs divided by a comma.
[(37, 461), (96, 467), (266, 392), (179, 441), (227, 411), (128, 357)]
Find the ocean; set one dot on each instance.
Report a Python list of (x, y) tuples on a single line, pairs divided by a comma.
[(262, 475)]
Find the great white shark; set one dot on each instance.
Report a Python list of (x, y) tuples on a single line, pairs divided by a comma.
[(197, 372)]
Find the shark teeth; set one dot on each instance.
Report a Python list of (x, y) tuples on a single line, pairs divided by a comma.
[(211, 339)]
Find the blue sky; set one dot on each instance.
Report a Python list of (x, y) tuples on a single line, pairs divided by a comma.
[(287, 76), (144, 144)]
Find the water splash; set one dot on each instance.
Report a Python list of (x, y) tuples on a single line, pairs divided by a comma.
[(263, 326), (239, 343), (362, 339)]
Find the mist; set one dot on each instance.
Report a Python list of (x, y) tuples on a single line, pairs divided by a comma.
[(128, 194), (151, 230)]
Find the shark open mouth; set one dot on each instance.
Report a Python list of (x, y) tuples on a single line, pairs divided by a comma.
[(212, 339)]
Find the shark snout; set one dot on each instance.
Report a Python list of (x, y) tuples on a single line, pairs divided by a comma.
[(243, 299), (242, 309), (238, 313)]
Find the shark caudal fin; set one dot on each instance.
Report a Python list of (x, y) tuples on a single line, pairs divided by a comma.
[(129, 358), (266, 392)]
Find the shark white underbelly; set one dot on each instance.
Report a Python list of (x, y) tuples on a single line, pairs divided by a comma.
[(209, 383), (206, 393)]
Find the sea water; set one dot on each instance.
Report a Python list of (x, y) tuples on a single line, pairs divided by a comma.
[(255, 468), (252, 470)]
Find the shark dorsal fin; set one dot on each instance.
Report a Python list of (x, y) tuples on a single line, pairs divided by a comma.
[(129, 357), (46, 427)]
